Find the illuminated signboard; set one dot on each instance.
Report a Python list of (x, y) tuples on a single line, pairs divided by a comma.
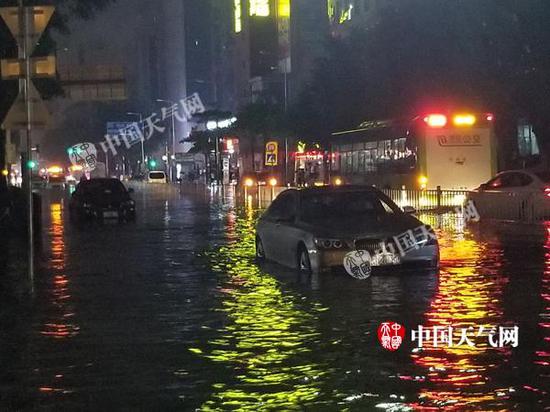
[(238, 16), (259, 8)]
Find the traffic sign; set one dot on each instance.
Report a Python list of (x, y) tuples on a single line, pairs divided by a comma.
[(271, 154), (17, 116), (39, 17), (117, 128), (14, 69)]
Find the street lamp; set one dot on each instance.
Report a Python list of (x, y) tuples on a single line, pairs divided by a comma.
[(217, 125), (170, 163), (142, 138)]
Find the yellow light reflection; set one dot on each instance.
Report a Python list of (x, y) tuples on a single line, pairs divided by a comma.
[(457, 377), (267, 339), (543, 355), (60, 327)]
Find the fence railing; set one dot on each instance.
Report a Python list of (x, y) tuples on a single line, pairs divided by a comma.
[(519, 207), (427, 200)]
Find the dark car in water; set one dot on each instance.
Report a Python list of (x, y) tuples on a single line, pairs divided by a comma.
[(102, 199)]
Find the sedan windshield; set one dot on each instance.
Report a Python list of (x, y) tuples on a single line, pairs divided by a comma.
[(346, 205)]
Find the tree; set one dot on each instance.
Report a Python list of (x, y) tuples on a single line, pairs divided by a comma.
[(492, 55)]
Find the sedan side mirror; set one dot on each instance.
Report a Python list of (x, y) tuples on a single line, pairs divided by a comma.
[(130, 190), (409, 210)]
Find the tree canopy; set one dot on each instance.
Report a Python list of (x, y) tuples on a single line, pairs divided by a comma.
[(422, 54)]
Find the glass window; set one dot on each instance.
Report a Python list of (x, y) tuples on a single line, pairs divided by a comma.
[(283, 207), (317, 207), (355, 162), (508, 180)]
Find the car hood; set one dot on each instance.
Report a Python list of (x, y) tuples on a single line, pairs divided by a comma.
[(364, 227)]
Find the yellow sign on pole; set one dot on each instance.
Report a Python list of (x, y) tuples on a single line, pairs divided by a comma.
[(272, 154)]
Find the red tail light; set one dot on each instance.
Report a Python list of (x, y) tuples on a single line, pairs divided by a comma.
[(436, 120), (547, 191)]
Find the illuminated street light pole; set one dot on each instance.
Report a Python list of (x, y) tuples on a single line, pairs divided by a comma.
[(142, 138), (173, 151)]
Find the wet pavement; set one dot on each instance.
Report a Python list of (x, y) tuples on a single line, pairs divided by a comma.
[(173, 313)]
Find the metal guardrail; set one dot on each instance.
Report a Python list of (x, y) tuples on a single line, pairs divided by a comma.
[(530, 208), (422, 200), (427, 200)]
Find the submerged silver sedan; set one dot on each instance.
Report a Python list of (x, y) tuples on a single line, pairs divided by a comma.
[(314, 229)]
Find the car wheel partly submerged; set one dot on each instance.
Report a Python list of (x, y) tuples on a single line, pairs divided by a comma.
[(260, 251), (304, 264)]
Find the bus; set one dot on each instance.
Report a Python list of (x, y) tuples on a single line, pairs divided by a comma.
[(453, 151)]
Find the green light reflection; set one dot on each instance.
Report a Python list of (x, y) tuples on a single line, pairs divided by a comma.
[(268, 338)]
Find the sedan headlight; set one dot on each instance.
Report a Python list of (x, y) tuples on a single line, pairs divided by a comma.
[(428, 237), (323, 243)]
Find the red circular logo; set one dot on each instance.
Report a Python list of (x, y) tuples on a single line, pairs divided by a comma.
[(390, 335)]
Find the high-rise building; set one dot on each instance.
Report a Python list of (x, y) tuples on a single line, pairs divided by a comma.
[(273, 44)]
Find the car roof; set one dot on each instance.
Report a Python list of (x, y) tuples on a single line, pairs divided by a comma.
[(100, 180), (338, 189)]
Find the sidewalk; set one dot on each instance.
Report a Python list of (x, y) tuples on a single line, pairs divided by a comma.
[(13, 274)]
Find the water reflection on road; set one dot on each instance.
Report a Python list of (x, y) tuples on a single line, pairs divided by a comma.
[(326, 328), (173, 313), (269, 338)]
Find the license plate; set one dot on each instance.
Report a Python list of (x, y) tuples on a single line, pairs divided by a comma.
[(110, 215), (385, 259)]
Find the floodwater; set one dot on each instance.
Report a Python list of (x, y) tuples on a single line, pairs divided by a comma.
[(173, 313)]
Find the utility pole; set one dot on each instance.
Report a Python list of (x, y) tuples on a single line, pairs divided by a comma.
[(170, 161), (143, 166), (28, 109), (24, 85)]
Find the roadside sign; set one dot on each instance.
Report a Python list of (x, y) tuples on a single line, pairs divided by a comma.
[(117, 128), (16, 118), (39, 18), (272, 154), (14, 69)]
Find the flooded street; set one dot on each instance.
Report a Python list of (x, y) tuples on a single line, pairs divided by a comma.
[(173, 313)]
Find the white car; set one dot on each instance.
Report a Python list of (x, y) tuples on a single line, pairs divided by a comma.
[(514, 195), (314, 229), (157, 177)]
